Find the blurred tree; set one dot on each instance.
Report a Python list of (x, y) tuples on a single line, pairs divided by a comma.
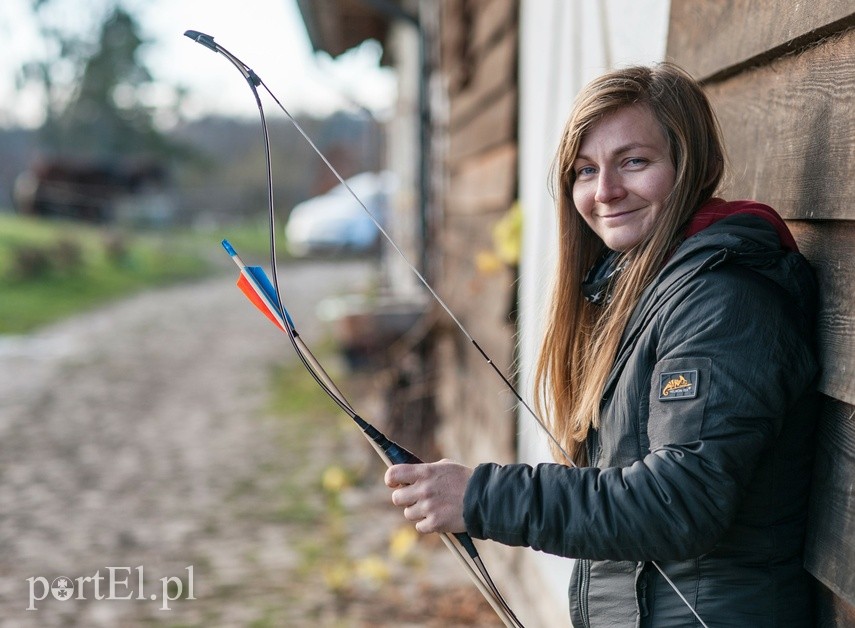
[(95, 92), (62, 53), (106, 114)]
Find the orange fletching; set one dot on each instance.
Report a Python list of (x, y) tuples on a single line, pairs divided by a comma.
[(249, 290)]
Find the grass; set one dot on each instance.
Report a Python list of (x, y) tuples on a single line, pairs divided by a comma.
[(294, 392), (314, 470), (303, 412), (51, 269)]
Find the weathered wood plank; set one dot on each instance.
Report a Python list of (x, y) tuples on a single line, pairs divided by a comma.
[(708, 37), (484, 183), (492, 18), (790, 132), (480, 72), (830, 248), (451, 33), (478, 294), (481, 299), (830, 544), (495, 124), (832, 611), (481, 422), (453, 45), (495, 73)]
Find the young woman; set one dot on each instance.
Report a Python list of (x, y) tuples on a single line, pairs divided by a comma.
[(676, 371)]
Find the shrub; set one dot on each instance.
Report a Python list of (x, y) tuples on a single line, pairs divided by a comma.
[(67, 256), (29, 262), (33, 261)]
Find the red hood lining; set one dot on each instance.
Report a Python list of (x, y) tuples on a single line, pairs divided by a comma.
[(716, 209)]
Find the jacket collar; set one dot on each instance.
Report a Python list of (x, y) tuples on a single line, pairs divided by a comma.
[(717, 209), (733, 236)]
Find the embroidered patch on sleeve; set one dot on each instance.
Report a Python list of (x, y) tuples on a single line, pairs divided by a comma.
[(678, 385)]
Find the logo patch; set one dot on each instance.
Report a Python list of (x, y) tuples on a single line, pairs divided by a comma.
[(679, 385)]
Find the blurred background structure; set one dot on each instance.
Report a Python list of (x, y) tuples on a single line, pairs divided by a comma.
[(111, 118), (110, 115)]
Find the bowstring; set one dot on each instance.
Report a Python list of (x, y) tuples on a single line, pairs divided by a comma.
[(481, 577), (445, 307), (439, 300)]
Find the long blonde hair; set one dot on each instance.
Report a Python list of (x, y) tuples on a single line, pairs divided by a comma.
[(581, 339)]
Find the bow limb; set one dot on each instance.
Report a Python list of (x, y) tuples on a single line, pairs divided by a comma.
[(253, 283), (391, 453)]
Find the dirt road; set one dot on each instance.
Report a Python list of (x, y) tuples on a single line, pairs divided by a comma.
[(123, 431), (136, 458)]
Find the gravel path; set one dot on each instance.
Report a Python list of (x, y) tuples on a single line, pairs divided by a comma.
[(122, 434), (137, 445)]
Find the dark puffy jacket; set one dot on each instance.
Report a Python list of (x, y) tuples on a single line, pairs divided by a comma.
[(702, 460)]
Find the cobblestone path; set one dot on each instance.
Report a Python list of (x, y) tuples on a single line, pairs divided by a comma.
[(134, 448)]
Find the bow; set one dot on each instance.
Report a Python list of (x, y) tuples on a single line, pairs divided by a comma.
[(267, 297), (253, 282)]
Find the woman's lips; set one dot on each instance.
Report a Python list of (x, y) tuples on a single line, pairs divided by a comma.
[(619, 214)]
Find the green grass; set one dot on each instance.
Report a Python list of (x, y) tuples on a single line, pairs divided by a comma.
[(310, 432), (295, 393), (50, 269)]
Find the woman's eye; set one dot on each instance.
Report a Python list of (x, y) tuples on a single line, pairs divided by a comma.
[(586, 171), (636, 161)]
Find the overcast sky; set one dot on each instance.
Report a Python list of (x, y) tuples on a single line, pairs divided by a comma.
[(268, 35)]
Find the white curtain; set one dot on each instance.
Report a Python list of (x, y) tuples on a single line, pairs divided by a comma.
[(563, 45)]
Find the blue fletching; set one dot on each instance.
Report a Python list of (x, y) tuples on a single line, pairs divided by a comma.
[(263, 282)]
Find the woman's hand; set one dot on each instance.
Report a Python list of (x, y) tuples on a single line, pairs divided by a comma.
[(431, 494)]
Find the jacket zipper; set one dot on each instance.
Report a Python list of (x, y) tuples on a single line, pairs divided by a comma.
[(711, 262), (643, 609), (584, 578)]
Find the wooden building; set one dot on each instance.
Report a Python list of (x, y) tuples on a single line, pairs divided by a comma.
[(784, 91), (495, 79)]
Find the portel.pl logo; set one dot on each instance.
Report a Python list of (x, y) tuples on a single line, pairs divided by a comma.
[(117, 583)]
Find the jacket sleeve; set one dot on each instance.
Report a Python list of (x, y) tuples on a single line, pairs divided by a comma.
[(752, 361)]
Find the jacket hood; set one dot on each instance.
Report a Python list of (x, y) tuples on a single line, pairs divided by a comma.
[(728, 235), (717, 209), (760, 239), (746, 233)]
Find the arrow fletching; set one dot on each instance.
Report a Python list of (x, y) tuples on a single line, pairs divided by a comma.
[(256, 286)]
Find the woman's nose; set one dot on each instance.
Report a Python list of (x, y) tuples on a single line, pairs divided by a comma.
[(609, 187)]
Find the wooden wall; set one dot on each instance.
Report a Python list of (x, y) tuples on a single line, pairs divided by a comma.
[(781, 76), (478, 66)]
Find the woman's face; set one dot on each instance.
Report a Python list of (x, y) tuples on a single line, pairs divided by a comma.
[(623, 175)]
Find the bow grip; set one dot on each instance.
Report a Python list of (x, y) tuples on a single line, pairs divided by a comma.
[(395, 453)]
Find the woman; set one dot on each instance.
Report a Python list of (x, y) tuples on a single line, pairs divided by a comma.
[(677, 371)]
